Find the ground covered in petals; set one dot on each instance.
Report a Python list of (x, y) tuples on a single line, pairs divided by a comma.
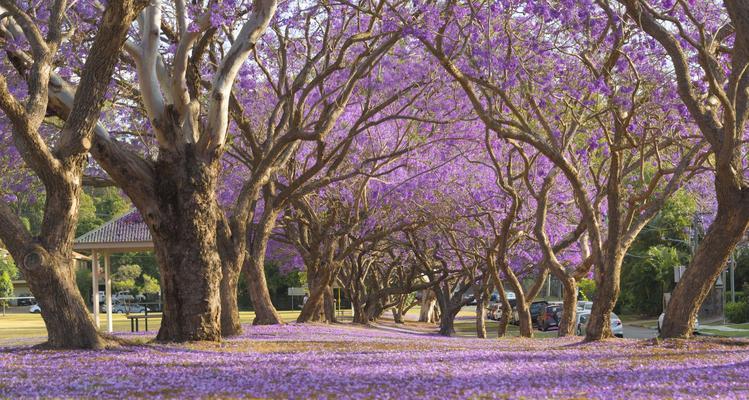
[(295, 361)]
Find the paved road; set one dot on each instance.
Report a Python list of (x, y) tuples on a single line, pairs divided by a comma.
[(636, 332)]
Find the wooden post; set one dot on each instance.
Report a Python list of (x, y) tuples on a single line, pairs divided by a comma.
[(95, 284), (108, 291)]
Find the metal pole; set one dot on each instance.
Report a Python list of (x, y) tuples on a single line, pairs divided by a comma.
[(723, 294), (733, 281), (108, 290), (95, 284)]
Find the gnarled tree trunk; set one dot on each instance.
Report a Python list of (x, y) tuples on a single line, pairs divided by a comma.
[(709, 260), (317, 278), (569, 306), (428, 305), (184, 236)]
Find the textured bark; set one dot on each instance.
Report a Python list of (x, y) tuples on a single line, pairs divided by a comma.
[(607, 293), (51, 279), (481, 318), (447, 322), (228, 251), (46, 260), (318, 283), (265, 312), (329, 305), (569, 306), (184, 237), (428, 305), (230, 324), (708, 262)]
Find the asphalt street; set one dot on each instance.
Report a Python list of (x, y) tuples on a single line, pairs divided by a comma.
[(637, 332)]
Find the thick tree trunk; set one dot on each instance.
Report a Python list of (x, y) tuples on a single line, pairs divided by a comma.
[(51, 279), (230, 267), (317, 281), (428, 304), (254, 266), (524, 314), (708, 262), (607, 294), (360, 314), (265, 312), (447, 322), (504, 320), (184, 237), (524, 317), (230, 324), (397, 316), (569, 306), (481, 304), (329, 305)]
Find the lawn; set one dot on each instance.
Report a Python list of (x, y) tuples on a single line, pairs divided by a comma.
[(349, 362)]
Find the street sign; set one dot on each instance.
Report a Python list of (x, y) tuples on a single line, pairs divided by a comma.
[(679, 272), (297, 291)]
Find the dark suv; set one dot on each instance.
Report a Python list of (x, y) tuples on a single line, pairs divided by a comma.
[(549, 318)]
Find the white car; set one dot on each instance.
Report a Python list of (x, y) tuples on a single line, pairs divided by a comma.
[(582, 323), (123, 296), (584, 305), (696, 324), (35, 309)]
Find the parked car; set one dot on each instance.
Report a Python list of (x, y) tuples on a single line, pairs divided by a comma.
[(494, 298), (549, 318), (123, 296), (469, 299), (128, 308), (494, 311), (584, 305), (35, 309), (696, 324), (28, 301), (582, 323)]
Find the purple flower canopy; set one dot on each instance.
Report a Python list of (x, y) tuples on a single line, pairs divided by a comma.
[(314, 361)]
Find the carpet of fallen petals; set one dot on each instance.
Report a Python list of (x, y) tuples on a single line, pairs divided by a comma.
[(342, 362)]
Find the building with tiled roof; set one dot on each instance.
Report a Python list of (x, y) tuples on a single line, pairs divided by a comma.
[(126, 233)]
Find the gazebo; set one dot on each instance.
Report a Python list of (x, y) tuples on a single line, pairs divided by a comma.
[(124, 234)]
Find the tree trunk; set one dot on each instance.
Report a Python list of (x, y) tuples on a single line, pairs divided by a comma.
[(265, 312), (504, 320), (329, 305), (51, 279), (569, 306), (524, 317), (184, 238), (229, 251), (230, 324), (709, 260), (360, 314), (428, 303), (317, 285), (607, 294), (481, 304), (254, 265), (447, 322), (397, 316)]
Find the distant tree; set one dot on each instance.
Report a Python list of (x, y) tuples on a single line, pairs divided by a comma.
[(7, 265), (6, 289), (150, 284), (124, 278)]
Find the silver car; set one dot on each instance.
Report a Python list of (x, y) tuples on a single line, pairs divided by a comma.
[(617, 328), (696, 324)]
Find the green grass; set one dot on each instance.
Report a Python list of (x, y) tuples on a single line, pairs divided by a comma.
[(14, 326), (734, 334)]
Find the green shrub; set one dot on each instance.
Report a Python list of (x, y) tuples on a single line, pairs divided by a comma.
[(738, 312)]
